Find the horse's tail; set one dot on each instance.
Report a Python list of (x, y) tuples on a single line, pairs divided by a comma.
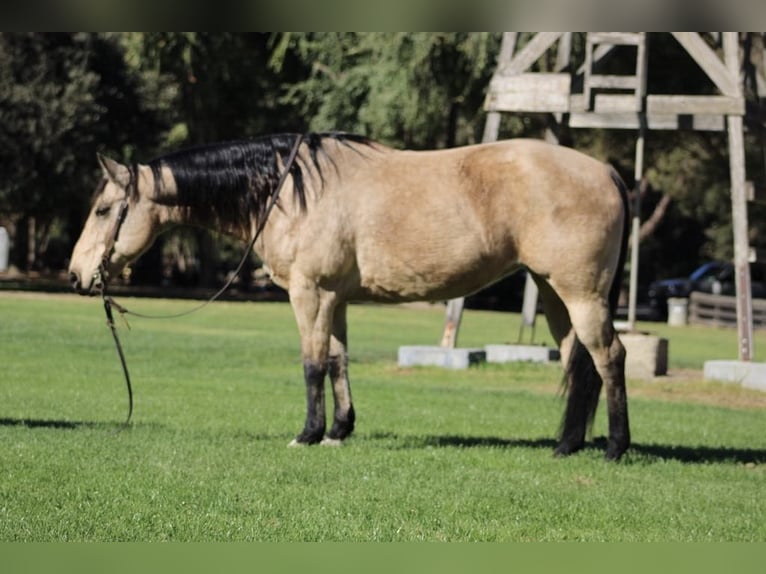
[(614, 292), (581, 378)]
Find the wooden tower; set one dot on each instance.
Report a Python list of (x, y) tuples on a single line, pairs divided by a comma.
[(581, 95)]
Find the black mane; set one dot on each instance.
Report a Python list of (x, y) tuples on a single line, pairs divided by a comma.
[(230, 181)]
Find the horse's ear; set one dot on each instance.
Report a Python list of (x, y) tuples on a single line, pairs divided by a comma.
[(115, 171)]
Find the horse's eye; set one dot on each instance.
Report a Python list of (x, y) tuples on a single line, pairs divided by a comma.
[(102, 211)]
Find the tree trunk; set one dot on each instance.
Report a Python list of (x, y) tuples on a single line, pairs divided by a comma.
[(31, 243), (648, 226)]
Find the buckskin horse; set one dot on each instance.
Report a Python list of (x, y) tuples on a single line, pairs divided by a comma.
[(358, 221)]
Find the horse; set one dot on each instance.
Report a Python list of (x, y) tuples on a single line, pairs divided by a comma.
[(359, 221)]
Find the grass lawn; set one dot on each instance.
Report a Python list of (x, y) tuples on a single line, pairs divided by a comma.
[(437, 455)]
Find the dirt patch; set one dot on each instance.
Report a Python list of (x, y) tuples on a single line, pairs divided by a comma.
[(689, 385)]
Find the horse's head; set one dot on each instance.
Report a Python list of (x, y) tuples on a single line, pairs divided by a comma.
[(122, 224)]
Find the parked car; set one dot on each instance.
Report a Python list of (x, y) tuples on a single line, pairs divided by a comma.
[(713, 277)]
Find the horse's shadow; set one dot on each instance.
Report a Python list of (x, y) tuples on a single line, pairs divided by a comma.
[(637, 453)]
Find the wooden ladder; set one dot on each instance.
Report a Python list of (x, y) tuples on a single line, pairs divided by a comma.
[(626, 92)]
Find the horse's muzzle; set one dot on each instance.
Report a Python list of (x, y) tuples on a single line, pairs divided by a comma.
[(96, 284)]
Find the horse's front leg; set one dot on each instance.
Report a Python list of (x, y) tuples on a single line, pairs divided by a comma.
[(314, 310), (343, 418)]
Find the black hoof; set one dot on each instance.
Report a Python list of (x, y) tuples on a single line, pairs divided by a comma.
[(342, 428), (308, 437), (567, 448), (615, 450), (339, 432)]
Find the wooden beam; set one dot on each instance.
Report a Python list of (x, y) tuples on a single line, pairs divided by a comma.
[(642, 63), (531, 92), (711, 105), (564, 51), (709, 61), (630, 121), (615, 103), (530, 53), (616, 38), (731, 58), (613, 82), (758, 59)]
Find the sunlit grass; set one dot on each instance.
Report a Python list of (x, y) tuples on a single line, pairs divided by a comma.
[(437, 455)]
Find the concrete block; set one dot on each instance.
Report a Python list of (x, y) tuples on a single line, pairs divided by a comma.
[(748, 374), (647, 355), (512, 353), (424, 355)]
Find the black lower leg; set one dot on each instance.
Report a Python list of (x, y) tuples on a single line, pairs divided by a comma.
[(619, 431), (584, 384), (342, 425), (313, 430), (572, 435), (344, 416)]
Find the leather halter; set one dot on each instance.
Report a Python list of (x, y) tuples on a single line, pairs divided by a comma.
[(122, 212), (102, 274)]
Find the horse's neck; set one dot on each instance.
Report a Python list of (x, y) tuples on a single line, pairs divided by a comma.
[(185, 216)]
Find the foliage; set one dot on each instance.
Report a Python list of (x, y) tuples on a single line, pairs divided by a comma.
[(226, 89), (63, 96), (47, 82), (416, 90)]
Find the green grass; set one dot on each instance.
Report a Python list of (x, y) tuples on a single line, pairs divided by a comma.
[(437, 455)]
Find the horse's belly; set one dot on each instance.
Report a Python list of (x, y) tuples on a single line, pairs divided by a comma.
[(400, 283)]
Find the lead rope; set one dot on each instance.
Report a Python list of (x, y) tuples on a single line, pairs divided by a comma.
[(109, 301), (113, 328)]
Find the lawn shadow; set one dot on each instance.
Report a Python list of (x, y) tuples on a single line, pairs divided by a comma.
[(62, 424), (637, 454), (484, 441), (442, 441), (698, 454)]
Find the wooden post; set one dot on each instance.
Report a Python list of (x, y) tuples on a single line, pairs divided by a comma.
[(741, 243), (452, 322), (636, 230), (739, 208)]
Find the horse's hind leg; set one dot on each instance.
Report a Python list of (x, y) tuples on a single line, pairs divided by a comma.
[(582, 381), (343, 418), (592, 323), (584, 387)]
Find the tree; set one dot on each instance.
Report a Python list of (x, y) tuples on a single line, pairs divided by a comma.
[(62, 96), (417, 90)]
